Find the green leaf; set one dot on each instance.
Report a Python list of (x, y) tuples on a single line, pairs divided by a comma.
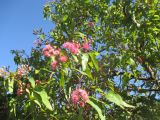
[(83, 73), (125, 79), (65, 17), (97, 109), (75, 58), (45, 99), (37, 71), (9, 85), (117, 99), (32, 81), (86, 1), (93, 58), (37, 99), (90, 97), (88, 72), (84, 61), (42, 36), (62, 82), (79, 34), (131, 61)]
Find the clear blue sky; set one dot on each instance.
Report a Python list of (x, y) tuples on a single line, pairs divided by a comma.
[(18, 18)]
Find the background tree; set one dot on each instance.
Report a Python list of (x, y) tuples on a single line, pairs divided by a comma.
[(97, 52)]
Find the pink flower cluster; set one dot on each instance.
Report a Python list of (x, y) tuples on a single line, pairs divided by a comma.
[(23, 70), (86, 46), (49, 51), (62, 59), (79, 97), (74, 47)]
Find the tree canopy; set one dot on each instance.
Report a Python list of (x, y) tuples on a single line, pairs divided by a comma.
[(100, 61)]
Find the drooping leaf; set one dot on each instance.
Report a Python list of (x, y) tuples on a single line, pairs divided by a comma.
[(45, 99), (117, 99), (104, 103), (97, 109), (36, 99)]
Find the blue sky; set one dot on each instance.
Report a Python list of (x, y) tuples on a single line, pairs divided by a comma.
[(18, 18)]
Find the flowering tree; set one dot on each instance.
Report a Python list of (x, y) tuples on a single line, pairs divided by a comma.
[(100, 61)]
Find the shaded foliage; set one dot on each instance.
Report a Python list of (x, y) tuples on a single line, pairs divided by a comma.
[(119, 68)]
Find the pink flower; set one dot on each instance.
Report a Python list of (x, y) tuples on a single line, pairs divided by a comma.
[(77, 45), (46, 53), (83, 95), (73, 47), (86, 46), (74, 50), (67, 45), (63, 58), (57, 52), (75, 97), (79, 97), (49, 51), (49, 47), (54, 64)]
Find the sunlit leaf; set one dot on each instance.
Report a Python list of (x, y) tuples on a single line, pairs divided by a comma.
[(32, 81), (84, 61)]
